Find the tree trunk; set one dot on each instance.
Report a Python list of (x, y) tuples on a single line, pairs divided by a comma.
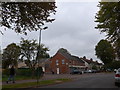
[(33, 72)]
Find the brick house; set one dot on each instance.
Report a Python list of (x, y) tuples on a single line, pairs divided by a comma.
[(62, 62)]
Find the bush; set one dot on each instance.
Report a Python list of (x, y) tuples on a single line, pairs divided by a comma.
[(113, 65), (24, 72), (29, 72), (19, 72), (5, 72), (39, 71)]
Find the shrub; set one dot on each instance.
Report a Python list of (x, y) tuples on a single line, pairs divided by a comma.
[(24, 72)]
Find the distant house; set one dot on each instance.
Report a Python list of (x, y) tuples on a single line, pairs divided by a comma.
[(98, 65), (62, 62), (90, 64), (21, 64), (45, 64)]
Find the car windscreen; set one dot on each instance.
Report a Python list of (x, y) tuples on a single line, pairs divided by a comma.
[(119, 70)]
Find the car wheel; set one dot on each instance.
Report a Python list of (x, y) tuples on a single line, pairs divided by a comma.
[(116, 84)]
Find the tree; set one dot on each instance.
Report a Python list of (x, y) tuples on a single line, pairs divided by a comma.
[(10, 55), (105, 51), (113, 65), (108, 19), (94, 67), (29, 50), (43, 52), (23, 16)]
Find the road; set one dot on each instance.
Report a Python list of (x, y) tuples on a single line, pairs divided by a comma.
[(105, 80)]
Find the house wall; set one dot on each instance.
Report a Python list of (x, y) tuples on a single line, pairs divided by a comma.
[(21, 64), (68, 64), (63, 68)]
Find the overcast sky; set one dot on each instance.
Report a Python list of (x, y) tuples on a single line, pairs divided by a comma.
[(73, 29)]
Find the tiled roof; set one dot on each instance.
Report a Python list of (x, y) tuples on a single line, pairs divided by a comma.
[(88, 61), (66, 54), (91, 61)]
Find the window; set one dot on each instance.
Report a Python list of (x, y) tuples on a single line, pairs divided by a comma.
[(57, 63), (66, 63), (47, 65), (119, 70), (73, 62), (63, 61)]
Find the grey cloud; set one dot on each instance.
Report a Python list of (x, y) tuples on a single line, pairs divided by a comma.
[(73, 29)]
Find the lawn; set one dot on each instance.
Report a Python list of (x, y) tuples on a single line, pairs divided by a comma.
[(5, 78), (21, 74), (35, 84)]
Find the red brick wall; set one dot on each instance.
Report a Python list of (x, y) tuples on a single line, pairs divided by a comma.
[(62, 67)]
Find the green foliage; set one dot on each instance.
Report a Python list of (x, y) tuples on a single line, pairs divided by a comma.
[(23, 16), (21, 72), (29, 51), (24, 72), (34, 84), (5, 72), (94, 67), (39, 72), (43, 52), (105, 51), (108, 19), (113, 65), (10, 55)]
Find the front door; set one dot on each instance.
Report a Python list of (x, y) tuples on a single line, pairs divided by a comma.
[(58, 71)]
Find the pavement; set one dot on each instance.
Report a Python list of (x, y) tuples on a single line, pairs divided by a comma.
[(55, 76)]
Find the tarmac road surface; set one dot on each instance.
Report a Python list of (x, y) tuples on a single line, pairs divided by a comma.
[(105, 80)]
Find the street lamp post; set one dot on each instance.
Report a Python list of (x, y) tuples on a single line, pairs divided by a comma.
[(38, 55), (39, 52)]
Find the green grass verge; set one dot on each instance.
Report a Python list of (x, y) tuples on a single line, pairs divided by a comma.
[(35, 84), (5, 78)]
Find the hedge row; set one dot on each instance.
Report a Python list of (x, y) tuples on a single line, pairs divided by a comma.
[(23, 72)]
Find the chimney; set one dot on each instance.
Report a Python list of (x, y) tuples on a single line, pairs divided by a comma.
[(84, 57)]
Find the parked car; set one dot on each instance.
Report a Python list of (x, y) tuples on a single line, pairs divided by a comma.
[(109, 70), (94, 71), (76, 71), (90, 71), (117, 77)]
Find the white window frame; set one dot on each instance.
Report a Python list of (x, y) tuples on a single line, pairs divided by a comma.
[(57, 62), (63, 61)]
